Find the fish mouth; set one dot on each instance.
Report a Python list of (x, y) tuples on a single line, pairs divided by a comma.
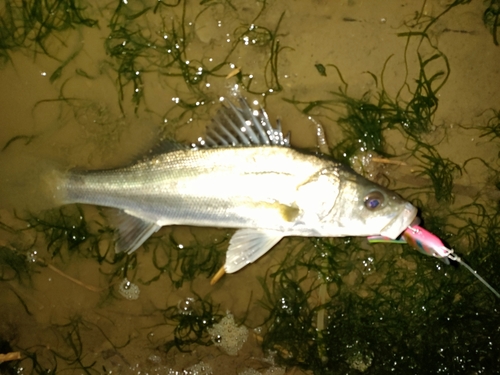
[(397, 225)]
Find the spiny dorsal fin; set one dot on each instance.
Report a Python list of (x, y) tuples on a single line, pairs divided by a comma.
[(241, 126)]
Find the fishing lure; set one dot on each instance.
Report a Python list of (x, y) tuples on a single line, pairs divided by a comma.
[(429, 244)]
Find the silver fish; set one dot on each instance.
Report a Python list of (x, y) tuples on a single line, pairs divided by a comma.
[(243, 175)]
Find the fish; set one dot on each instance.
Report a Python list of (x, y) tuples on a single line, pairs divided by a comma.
[(245, 175)]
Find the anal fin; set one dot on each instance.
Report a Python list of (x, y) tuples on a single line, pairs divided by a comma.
[(131, 231), (248, 245)]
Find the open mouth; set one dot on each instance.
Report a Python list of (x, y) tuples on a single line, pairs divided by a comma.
[(397, 225)]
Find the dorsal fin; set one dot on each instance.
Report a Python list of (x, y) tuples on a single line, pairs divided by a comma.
[(165, 146), (242, 126)]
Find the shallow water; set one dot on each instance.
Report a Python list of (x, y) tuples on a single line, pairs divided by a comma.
[(87, 96)]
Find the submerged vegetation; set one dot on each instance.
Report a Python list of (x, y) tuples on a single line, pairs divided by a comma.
[(328, 305), (186, 262), (491, 19), (492, 128), (148, 39), (38, 26), (66, 227), (191, 319)]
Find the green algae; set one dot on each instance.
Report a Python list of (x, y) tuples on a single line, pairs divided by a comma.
[(491, 19), (66, 228), (492, 127), (441, 171), (186, 262), (37, 26), (137, 50), (190, 325), (13, 266)]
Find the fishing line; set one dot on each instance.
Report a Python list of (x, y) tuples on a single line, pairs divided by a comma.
[(457, 259)]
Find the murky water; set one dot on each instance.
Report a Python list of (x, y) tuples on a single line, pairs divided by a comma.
[(93, 85)]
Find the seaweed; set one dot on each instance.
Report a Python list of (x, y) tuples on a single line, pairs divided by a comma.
[(27, 139), (321, 69), (491, 19), (418, 114), (441, 172), (364, 121), (190, 324), (66, 229), (364, 317), (294, 301), (35, 25), (74, 346), (138, 50), (38, 362), (271, 75), (492, 128), (13, 265), (70, 352), (185, 262), (292, 333)]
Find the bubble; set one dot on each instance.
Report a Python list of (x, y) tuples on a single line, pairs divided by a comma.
[(369, 266), (275, 371), (200, 369), (32, 256), (360, 361), (186, 306), (249, 371), (154, 358), (358, 356), (128, 289)]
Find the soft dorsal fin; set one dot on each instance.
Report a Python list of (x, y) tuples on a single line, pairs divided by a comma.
[(242, 126), (165, 146)]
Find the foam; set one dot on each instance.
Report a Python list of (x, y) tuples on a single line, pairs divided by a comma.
[(227, 335)]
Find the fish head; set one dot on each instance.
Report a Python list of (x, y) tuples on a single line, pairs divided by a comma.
[(364, 208)]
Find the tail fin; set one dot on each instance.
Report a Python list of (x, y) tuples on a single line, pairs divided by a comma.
[(30, 184), (55, 184)]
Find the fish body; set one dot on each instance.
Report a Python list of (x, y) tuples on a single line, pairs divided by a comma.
[(249, 179)]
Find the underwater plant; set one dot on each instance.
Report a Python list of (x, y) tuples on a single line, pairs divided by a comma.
[(491, 19)]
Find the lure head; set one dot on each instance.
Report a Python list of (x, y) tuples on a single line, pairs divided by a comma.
[(426, 242)]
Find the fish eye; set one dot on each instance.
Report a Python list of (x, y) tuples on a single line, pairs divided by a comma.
[(374, 200)]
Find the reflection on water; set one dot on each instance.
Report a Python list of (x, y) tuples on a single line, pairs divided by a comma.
[(410, 98)]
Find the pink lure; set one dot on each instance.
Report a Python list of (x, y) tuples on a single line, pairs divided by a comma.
[(421, 240), (429, 244), (426, 242)]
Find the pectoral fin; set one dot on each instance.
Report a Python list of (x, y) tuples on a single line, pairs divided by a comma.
[(131, 231), (248, 245)]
